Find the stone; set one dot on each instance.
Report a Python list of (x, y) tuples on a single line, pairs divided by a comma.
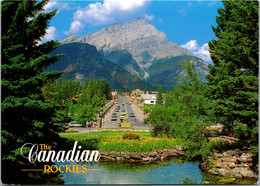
[(217, 155), (119, 158), (232, 164), (171, 154), (153, 154), (109, 158), (179, 148), (222, 164), (224, 172), (226, 154), (246, 173), (146, 159), (242, 159), (136, 156), (225, 159), (242, 165), (233, 159), (203, 166), (214, 171), (104, 153), (236, 172)]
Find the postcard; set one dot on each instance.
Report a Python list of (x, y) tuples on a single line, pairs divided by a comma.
[(129, 92)]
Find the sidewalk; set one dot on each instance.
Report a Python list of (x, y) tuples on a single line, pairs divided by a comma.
[(109, 114), (139, 112)]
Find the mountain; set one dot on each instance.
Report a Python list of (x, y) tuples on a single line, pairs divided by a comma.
[(164, 71), (83, 61), (141, 49), (125, 60)]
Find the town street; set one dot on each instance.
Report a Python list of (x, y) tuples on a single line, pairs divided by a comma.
[(123, 102)]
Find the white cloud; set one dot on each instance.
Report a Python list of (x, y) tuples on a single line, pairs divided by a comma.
[(201, 52), (191, 45), (50, 34), (75, 27), (148, 17), (108, 12), (50, 5), (54, 4)]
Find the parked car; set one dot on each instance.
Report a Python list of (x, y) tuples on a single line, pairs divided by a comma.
[(113, 118), (123, 115), (132, 115), (74, 124), (114, 114)]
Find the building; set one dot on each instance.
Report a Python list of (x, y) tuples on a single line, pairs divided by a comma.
[(136, 95), (149, 99), (114, 95)]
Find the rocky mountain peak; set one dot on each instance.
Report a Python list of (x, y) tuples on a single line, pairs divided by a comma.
[(138, 37)]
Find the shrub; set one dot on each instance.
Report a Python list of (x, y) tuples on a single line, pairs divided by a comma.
[(131, 136)]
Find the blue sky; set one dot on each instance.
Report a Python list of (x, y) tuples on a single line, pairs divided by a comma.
[(187, 23)]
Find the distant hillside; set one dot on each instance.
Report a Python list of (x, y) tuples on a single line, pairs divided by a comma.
[(165, 71), (125, 60), (83, 61)]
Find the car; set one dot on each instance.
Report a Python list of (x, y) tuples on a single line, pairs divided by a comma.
[(117, 110), (74, 124), (132, 115), (123, 110), (113, 118), (114, 114), (123, 115)]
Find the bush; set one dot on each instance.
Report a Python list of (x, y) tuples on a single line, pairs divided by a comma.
[(131, 136)]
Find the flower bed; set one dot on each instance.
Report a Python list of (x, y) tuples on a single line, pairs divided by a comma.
[(131, 136), (145, 144)]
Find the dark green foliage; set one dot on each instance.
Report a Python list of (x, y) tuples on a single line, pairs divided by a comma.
[(159, 99), (185, 113), (25, 116), (72, 103), (233, 79)]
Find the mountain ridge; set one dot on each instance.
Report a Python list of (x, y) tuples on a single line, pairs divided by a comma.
[(138, 37), (137, 47)]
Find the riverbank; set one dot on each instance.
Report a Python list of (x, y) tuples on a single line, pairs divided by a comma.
[(232, 163), (160, 154)]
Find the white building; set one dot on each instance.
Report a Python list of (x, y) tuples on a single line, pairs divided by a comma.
[(149, 99)]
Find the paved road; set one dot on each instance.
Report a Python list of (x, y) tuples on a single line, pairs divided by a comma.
[(137, 122)]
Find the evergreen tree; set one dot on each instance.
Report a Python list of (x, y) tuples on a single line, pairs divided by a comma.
[(159, 99), (233, 79), (185, 113), (25, 115)]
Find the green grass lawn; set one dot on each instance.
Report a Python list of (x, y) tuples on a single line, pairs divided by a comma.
[(92, 135)]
